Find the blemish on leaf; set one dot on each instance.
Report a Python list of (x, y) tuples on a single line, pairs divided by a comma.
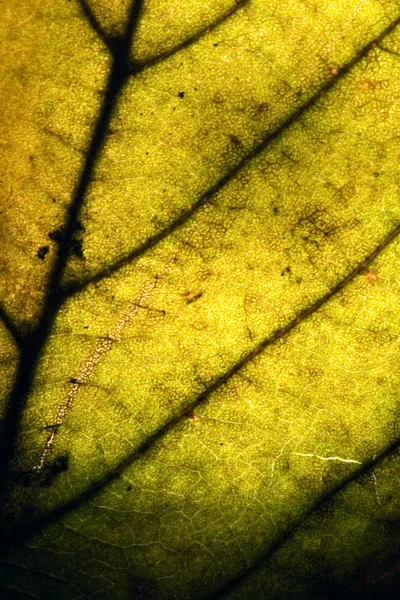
[(43, 252), (191, 296), (53, 469), (181, 95), (368, 85), (235, 140), (371, 277), (262, 108)]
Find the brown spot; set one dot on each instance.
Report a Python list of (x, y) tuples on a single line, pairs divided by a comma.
[(191, 296), (235, 140), (368, 85), (263, 107), (371, 277), (43, 252)]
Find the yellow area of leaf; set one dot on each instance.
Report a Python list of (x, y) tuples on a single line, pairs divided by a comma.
[(226, 355), (182, 125)]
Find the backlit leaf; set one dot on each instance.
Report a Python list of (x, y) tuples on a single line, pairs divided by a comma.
[(199, 356)]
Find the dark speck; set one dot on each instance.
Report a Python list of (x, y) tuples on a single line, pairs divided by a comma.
[(263, 107), (129, 487), (43, 252), (45, 477), (275, 210), (181, 94), (215, 45), (235, 140)]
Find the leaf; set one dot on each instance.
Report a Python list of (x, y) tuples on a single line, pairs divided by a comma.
[(199, 299)]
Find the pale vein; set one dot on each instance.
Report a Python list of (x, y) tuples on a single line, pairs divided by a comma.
[(338, 458), (101, 348)]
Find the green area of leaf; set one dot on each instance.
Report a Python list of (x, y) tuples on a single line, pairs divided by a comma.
[(199, 341)]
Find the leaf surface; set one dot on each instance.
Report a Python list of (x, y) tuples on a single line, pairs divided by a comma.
[(199, 297)]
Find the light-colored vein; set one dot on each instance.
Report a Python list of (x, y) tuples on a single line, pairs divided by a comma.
[(334, 458), (100, 349)]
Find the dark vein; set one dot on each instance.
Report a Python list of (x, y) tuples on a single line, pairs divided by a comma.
[(28, 529), (296, 525), (33, 344), (225, 179), (10, 326), (94, 23), (138, 67)]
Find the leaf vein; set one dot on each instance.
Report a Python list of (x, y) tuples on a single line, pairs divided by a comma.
[(204, 198), (32, 527)]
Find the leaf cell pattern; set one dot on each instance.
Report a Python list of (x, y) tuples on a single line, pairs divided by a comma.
[(203, 208)]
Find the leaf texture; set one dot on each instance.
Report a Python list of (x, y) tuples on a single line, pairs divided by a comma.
[(199, 299)]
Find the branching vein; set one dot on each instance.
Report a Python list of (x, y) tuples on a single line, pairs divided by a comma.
[(209, 194), (34, 345), (10, 326)]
